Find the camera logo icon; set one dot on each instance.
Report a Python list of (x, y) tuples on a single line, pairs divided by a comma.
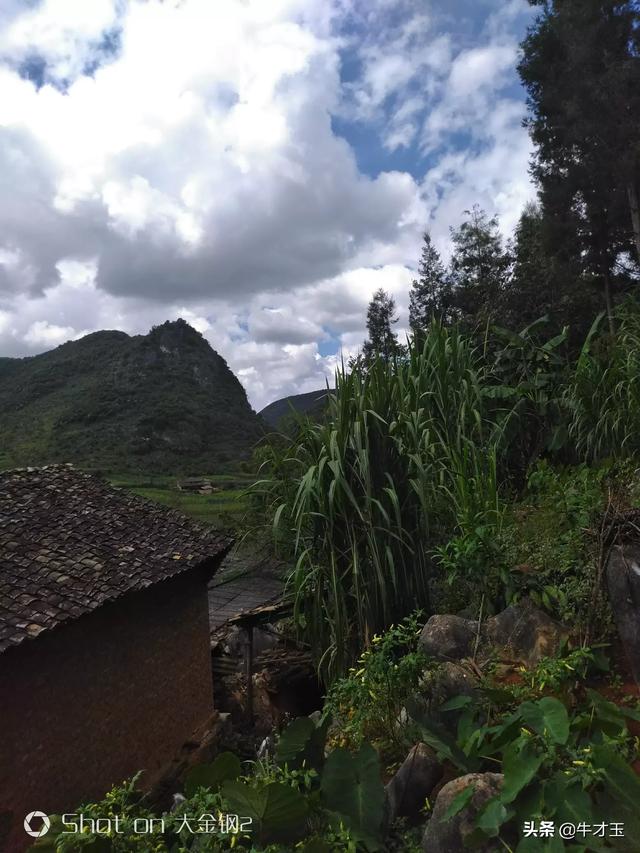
[(42, 824)]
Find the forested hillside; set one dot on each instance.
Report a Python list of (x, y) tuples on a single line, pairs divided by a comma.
[(164, 401), (312, 404)]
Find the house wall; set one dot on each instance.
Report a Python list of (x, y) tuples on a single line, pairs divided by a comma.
[(90, 703)]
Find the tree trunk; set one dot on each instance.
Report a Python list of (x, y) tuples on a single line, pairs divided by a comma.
[(634, 205)]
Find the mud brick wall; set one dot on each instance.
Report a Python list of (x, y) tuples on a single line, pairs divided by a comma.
[(91, 702)]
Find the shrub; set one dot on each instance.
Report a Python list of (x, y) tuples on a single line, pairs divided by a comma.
[(549, 540), (368, 704), (334, 807), (559, 765)]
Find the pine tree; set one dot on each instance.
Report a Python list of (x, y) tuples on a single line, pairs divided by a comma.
[(581, 70), (430, 295), (479, 267), (382, 341), (533, 289)]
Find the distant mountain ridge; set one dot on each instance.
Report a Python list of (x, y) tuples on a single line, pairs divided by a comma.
[(312, 404), (164, 401)]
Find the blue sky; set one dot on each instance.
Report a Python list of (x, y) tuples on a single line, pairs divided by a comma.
[(257, 168)]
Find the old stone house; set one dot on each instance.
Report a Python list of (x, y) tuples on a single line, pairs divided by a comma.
[(105, 665)]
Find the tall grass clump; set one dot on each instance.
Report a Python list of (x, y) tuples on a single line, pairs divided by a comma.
[(405, 458), (603, 396)]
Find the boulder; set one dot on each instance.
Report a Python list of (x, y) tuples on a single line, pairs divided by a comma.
[(448, 637), (623, 584), (414, 780), (438, 686), (449, 836), (521, 631), (453, 679), (524, 632)]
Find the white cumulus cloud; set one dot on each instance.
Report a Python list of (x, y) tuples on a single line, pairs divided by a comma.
[(164, 158)]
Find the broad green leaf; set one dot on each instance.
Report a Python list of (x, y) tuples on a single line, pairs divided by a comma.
[(446, 747), (456, 703), (631, 713), (365, 842), (293, 740), (437, 737), (503, 735), (459, 802), (542, 845), (547, 715), (303, 742), (621, 779), (279, 812), (493, 814), (351, 785), (519, 765), (498, 695), (610, 711), (574, 806), (211, 776), (529, 802)]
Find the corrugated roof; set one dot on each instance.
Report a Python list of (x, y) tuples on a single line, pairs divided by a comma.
[(70, 542)]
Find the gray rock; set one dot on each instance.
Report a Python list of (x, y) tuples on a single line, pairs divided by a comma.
[(438, 686), (468, 612), (448, 637), (453, 679), (623, 583), (450, 680), (414, 780), (442, 836), (524, 632)]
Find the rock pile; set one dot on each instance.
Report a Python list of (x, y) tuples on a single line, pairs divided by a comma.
[(521, 635)]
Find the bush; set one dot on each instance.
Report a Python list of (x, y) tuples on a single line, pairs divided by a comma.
[(559, 765), (368, 704), (300, 799), (549, 540)]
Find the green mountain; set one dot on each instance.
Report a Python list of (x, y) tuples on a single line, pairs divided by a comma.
[(165, 401), (311, 404)]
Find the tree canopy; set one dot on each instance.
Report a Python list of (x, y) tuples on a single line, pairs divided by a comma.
[(580, 68), (382, 341)]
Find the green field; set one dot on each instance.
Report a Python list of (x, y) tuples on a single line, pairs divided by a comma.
[(221, 509)]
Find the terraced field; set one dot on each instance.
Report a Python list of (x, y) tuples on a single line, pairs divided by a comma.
[(223, 508)]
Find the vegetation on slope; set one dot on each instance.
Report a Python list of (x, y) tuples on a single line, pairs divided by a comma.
[(313, 404), (163, 402), (408, 484)]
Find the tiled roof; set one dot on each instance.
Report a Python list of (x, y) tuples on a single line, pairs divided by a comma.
[(69, 542), (246, 580)]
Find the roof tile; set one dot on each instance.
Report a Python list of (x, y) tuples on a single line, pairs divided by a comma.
[(70, 542)]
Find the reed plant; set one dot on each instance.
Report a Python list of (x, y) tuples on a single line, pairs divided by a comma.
[(403, 481), (603, 395), (405, 458)]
